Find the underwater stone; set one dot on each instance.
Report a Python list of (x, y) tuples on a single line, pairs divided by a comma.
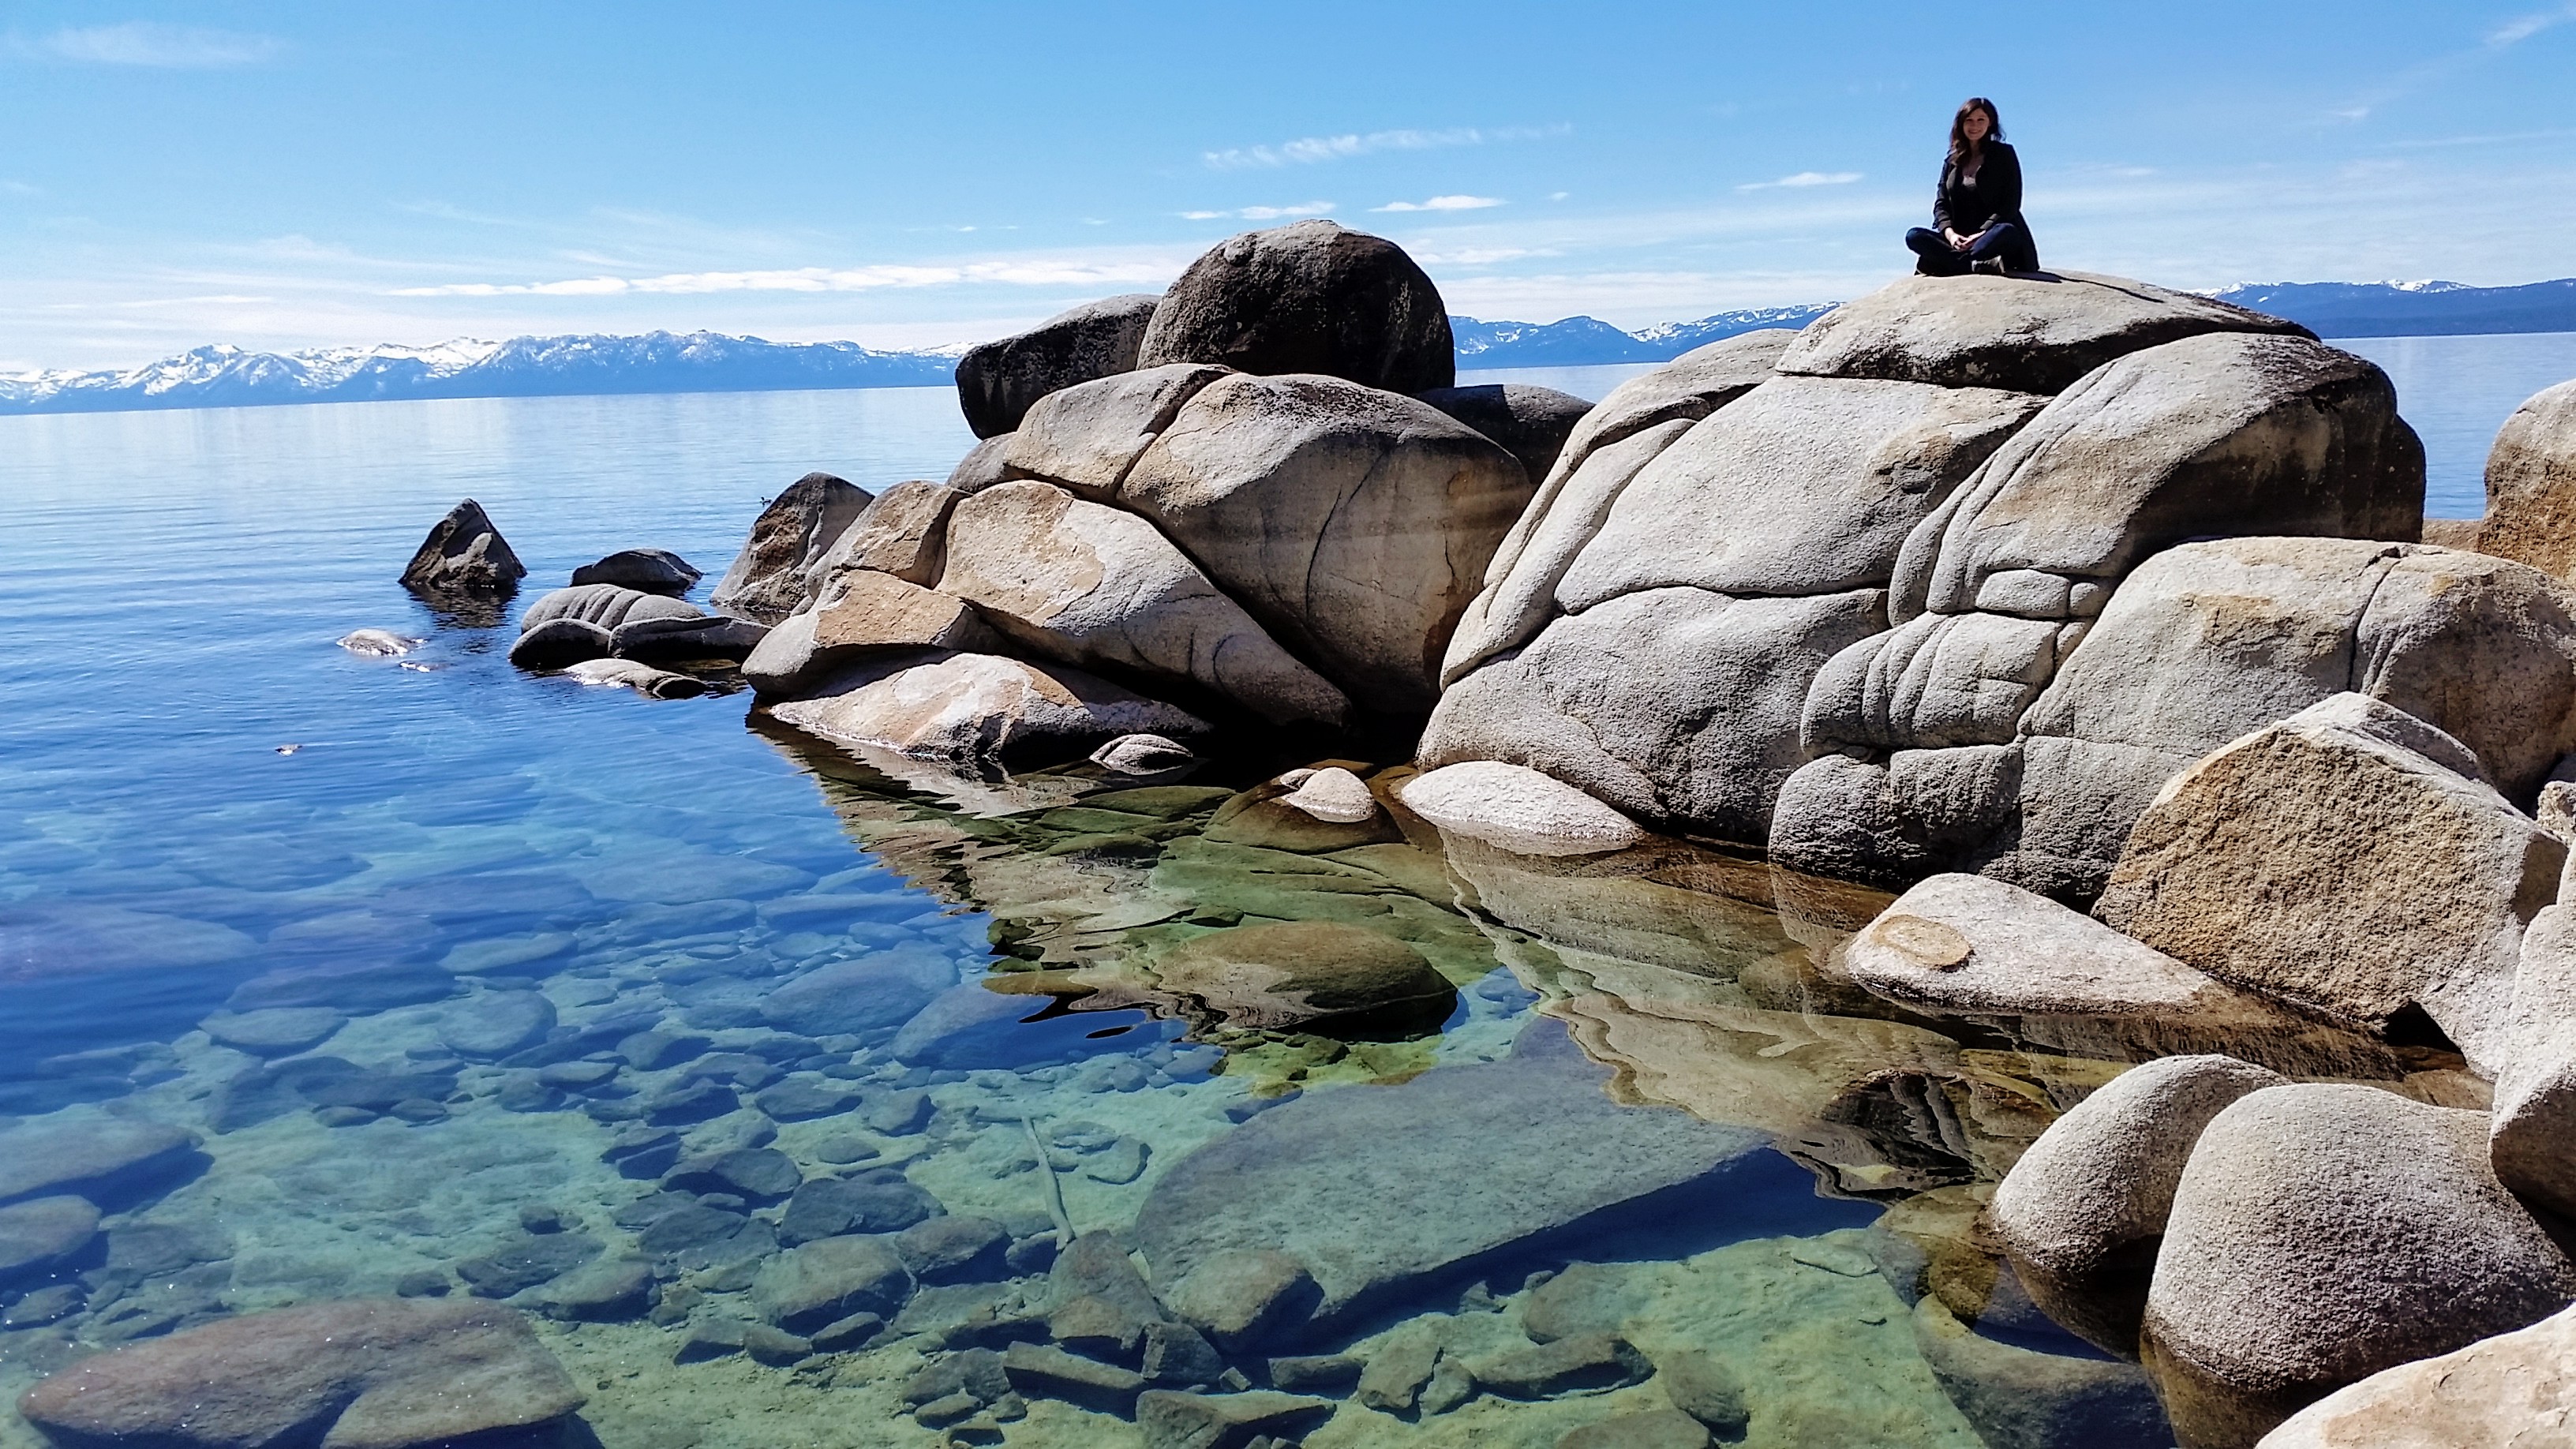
[(275, 1031), (651, 1051), (45, 1305), (1394, 1379), (643, 1154), (878, 1201), (1585, 1298), (794, 1100), (382, 1373), (44, 1231), (943, 1248), (849, 1334), (376, 986), (1705, 1387), (606, 1292), (711, 1338), (1179, 1355), (1452, 1384), (681, 1106), (974, 1372), (496, 1023), (101, 1161), (1295, 973), (862, 996), (1334, 1374), (1586, 1363), (1094, 1327), (775, 1347), (1654, 1429), (1042, 1372), (1224, 1421), (1244, 1299), (762, 1174), (829, 1279), (896, 1114), (526, 1261), (1097, 1265), (693, 1226)]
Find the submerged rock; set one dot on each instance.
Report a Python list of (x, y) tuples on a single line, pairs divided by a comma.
[(378, 643), (776, 571), (464, 557), (979, 711), (824, 1281), (631, 674), (41, 1232), (1309, 297), (274, 1031), (100, 1160), (2323, 1233), (1388, 1193), (2019, 1398), (1172, 1420), (998, 381), (1307, 975), (1243, 1300), (357, 1374)]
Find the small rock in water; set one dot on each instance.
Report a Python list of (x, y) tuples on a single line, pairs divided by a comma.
[(44, 1231), (276, 1031), (1245, 1298), (653, 570), (1094, 1327), (1704, 1387), (1393, 1381), (1333, 794), (1041, 1372), (1122, 1162), (848, 1334), (526, 1262), (1583, 1364), (602, 1292), (1334, 1374), (844, 1149), (101, 1161), (1179, 1356), (711, 1338), (423, 1283), (974, 1372), (896, 1114), (1655, 1429), (378, 643), (46, 1305), (879, 1201), (539, 1218), (941, 1412), (1142, 755), (632, 674), (1451, 1385), (493, 1024), (775, 1347), (943, 1249), (796, 1100), (1206, 1421), (762, 1174), (823, 1282)]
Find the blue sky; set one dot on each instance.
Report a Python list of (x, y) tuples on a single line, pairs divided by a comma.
[(280, 176)]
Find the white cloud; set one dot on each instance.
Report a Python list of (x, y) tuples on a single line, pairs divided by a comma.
[(1307, 150), (1262, 213), (1033, 273), (146, 43), (1804, 179), (1443, 203), (2515, 31)]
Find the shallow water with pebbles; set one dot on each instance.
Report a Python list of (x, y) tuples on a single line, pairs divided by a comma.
[(461, 981)]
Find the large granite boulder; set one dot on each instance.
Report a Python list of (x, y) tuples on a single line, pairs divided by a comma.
[(1678, 707), (1309, 297), (1093, 585), (1531, 422), (2531, 485), (368, 1373), (1352, 523), (1389, 1195), (2081, 1214), (978, 712), (569, 625), (901, 532), (861, 613), (2348, 860), (464, 557), (2029, 334), (2533, 1137), (654, 570), (2513, 1391), (777, 570), (1085, 438), (1518, 809), (999, 380), (2323, 1233)]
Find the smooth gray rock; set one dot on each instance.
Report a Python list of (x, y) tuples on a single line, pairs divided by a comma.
[(493, 1024), (2531, 485), (1300, 496), (978, 712), (1246, 1298), (1396, 1376), (944, 1248), (653, 570), (1531, 422), (1585, 1363), (368, 1373), (2337, 861), (607, 606), (760, 1174), (869, 994), (1707, 1388), (1384, 1193), (1142, 755), (2019, 1398), (998, 381), (526, 1260), (903, 531), (1173, 1420), (1094, 586), (1888, 823), (1935, 680), (858, 615), (1179, 1356), (1517, 809), (1309, 297), (41, 1232), (276, 1031), (2322, 1233), (2032, 334), (464, 557), (555, 643), (678, 640), (1085, 438), (633, 674), (776, 571), (821, 1282), (881, 1201), (1653, 1429), (974, 1372), (2227, 433), (1802, 486), (99, 1160), (2082, 1212), (1041, 1371), (1675, 707), (613, 1291)]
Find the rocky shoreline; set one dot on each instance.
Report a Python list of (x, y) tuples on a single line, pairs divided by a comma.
[(2207, 1074)]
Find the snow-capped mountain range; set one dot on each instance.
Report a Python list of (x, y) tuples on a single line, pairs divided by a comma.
[(225, 376)]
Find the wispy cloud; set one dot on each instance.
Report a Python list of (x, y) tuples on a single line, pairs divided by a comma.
[(1443, 203), (149, 43), (1261, 213), (1307, 150), (1804, 179), (2521, 28), (1034, 273)]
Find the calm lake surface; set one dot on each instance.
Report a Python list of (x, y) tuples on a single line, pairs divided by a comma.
[(463, 981)]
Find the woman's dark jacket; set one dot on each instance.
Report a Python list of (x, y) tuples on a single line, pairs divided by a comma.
[(1970, 207)]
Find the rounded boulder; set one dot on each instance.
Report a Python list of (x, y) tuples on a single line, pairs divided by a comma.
[(1310, 297)]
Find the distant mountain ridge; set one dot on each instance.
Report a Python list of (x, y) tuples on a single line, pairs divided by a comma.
[(225, 376), (666, 362)]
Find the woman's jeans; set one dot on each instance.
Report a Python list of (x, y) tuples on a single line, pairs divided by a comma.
[(2002, 240)]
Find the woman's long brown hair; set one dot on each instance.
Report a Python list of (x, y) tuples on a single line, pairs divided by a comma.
[(1958, 126)]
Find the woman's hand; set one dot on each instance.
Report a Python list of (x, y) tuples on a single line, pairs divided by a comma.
[(1957, 242)]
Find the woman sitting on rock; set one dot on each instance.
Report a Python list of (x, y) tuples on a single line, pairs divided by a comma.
[(1977, 224)]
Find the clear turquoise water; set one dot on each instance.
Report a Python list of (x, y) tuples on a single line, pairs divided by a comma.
[(205, 805)]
